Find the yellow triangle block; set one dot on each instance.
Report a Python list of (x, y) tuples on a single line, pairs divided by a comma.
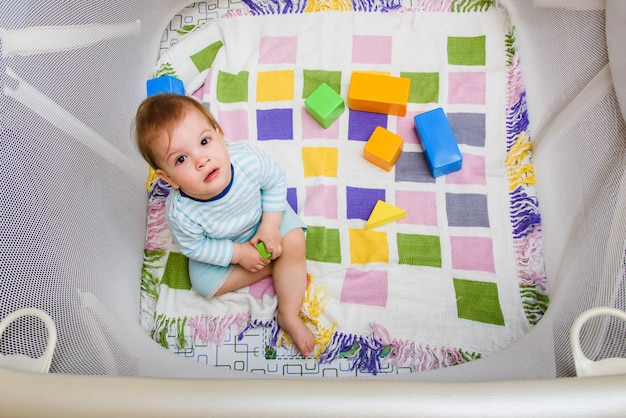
[(384, 213)]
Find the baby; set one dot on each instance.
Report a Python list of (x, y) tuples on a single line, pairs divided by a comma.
[(225, 199)]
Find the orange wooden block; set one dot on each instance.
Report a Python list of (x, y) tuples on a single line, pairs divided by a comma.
[(378, 93), (383, 148)]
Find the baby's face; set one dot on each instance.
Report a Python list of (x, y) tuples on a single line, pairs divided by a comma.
[(196, 158)]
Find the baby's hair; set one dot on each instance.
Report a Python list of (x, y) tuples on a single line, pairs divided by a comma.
[(158, 115)]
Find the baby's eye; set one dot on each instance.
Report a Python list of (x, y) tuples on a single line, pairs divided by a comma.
[(180, 159), (205, 141)]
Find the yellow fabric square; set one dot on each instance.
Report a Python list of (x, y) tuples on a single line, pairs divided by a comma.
[(320, 161), (273, 86), (368, 246)]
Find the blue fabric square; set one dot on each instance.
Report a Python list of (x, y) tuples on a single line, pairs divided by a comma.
[(361, 202), (274, 124), (412, 166), (362, 124)]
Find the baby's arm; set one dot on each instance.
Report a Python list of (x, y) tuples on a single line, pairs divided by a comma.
[(192, 241), (220, 251)]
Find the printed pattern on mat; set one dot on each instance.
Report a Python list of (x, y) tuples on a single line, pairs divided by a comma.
[(466, 262)]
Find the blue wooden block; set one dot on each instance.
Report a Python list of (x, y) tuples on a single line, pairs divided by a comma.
[(165, 84), (440, 147)]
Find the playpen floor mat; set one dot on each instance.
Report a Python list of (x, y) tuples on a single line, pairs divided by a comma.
[(460, 277)]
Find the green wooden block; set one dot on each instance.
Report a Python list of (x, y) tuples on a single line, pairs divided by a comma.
[(325, 105), (261, 248)]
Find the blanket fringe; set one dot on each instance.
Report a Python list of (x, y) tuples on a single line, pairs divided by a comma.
[(165, 327), (373, 353), (465, 6), (524, 209), (275, 7), (214, 329), (268, 7)]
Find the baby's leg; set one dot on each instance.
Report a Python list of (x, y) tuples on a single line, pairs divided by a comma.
[(290, 280), (240, 277)]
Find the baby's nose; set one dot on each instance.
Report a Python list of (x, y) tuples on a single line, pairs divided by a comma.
[(202, 160)]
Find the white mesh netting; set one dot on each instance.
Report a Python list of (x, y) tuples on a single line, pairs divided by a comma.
[(72, 196)]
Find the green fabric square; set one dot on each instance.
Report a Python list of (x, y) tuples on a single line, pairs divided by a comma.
[(467, 50), (419, 250), (204, 59), (176, 273), (478, 301), (232, 88), (322, 244), (424, 87), (314, 78)]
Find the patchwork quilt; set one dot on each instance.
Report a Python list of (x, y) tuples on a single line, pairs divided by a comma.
[(460, 277)]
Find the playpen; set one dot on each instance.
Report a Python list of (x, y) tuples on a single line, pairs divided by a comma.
[(73, 230)]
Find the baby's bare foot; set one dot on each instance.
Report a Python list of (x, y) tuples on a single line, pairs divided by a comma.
[(300, 334)]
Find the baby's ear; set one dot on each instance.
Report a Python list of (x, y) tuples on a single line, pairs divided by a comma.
[(166, 177)]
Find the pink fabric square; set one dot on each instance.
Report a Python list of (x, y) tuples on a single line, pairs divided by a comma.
[(311, 129), (472, 171), (365, 288), (262, 287), (472, 253), (405, 127), (421, 207), (234, 123), (278, 49), (467, 88), (205, 89), (321, 200), (368, 49)]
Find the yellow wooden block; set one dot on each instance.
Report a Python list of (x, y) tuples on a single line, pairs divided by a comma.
[(378, 93), (384, 213), (383, 148)]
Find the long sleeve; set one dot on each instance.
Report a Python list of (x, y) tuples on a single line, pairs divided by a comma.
[(272, 179), (191, 239)]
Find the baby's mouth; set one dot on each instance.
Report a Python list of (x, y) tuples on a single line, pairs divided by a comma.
[(212, 174)]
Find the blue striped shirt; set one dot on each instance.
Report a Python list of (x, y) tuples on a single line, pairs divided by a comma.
[(206, 230)]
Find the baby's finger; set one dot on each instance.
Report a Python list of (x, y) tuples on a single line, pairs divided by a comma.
[(278, 250)]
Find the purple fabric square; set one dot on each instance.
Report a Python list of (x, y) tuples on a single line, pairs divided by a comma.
[(365, 288), (412, 166), (274, 124), (292, 198), (362, 124), (361, 202)]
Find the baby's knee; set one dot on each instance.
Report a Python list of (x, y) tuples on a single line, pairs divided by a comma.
[(294, 242)]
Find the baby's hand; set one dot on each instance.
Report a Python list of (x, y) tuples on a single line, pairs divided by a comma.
[(250, 258), (269, 234), (272, 239)]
